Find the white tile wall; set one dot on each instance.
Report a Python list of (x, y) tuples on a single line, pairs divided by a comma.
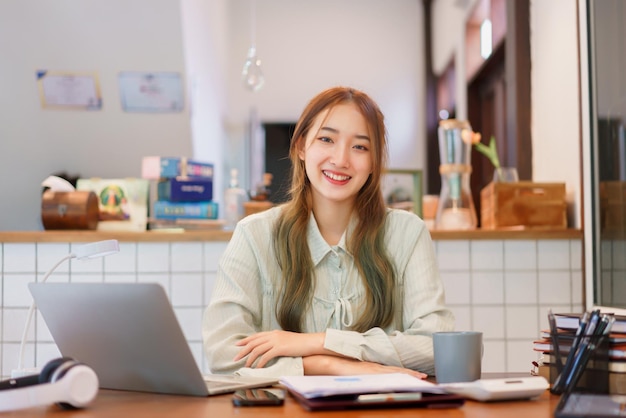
[(503, 288), (520, 255), (186, 270), (19, 258), (487, 255)]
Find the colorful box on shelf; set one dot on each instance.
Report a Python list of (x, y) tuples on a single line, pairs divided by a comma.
[(524, 204), (122, 203), (190, 189), (185, 210), (155, 168)]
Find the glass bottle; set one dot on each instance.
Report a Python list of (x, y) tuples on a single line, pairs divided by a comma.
[(234, 199), (456, 206)]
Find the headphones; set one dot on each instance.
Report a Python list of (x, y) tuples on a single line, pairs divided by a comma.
[(63, 381)]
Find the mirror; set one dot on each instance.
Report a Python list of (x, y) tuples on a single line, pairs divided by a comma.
[(605, 222)]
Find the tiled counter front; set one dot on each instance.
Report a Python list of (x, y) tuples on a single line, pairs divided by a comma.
[(500, 287)]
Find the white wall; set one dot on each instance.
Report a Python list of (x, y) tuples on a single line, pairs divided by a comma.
[(71, 35), (305, 46), (206, 55), (555, 99), (554, 86)]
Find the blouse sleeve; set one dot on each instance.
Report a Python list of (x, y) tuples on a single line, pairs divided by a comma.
[(236, 309), (422, 308)]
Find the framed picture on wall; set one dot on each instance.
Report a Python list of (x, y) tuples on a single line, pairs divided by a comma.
[(151, 92), (402, 189), (69, 90)]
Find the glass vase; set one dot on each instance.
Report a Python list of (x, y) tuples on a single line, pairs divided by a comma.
[(456, 207), (505, 175)]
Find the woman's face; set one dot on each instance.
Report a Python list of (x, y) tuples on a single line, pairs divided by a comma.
[(337, 154)]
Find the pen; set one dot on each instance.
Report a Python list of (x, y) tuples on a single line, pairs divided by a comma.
[(580, 332), (593, 322), (390, 397), (604, 326), (580, 364), (585, 326), (597, 330)]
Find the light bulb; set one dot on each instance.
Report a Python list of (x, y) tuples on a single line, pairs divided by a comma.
[(252, 75)]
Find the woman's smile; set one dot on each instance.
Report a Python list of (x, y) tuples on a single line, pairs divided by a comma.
[(336, 178)]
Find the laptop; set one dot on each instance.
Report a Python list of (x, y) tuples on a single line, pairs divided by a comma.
[(129, 335)]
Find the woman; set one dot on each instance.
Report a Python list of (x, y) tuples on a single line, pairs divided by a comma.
[(332, 282)]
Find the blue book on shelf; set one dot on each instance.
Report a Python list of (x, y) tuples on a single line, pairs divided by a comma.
[(185, 189), (171, 167), (185, 210)]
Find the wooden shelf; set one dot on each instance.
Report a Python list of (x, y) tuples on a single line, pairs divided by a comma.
[(123, 236), (221, 235), (508, 234)]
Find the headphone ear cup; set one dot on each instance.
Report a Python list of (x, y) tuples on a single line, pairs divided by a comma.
[(56, 369), (45, 375), (70, 366), (81, 384)]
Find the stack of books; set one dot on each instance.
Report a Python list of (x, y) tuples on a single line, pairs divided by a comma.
[(184, 191), (567, 324)]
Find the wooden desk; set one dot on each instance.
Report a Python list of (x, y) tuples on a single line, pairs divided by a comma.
[(143, 405)]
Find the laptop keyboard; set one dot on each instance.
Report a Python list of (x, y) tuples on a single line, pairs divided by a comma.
[(212, 384)]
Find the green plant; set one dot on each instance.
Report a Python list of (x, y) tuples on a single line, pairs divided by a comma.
[(490, 151)]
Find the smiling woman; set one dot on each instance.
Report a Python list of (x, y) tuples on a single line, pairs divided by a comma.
[(346, 285)]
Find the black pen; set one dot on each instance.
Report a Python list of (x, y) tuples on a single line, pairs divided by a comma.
[(584, 326), (580, 332), (604, 327), (592, 338), (588, 346), (593, 322), (578, 366)]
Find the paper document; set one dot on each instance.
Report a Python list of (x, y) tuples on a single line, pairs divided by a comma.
[(321, 386)]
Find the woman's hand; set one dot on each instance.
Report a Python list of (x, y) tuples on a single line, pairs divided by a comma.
[(333, 365), (267, 345)]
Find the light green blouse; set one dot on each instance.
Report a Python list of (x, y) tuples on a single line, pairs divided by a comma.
[(243, 301)]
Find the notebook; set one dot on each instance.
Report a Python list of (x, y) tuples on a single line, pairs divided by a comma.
[(379, 400), (394, 390), (129, 335)]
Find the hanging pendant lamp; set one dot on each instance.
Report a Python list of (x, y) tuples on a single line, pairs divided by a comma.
[(252, 74)]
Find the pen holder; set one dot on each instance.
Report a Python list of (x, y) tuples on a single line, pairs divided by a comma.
[(594, 368)]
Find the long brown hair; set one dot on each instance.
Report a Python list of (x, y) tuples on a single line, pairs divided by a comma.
[(366, 243)]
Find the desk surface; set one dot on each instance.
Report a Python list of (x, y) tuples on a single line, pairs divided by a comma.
[(111, 403)]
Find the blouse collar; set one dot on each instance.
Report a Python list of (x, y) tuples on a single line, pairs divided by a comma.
[(317, 244)]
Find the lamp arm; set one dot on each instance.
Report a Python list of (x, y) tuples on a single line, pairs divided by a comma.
[(31, 310)]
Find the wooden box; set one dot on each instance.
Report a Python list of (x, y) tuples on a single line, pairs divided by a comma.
[(69, 210), (612, 206), (523, 204)]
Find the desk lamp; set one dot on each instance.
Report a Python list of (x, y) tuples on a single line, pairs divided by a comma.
[(82, 252)]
